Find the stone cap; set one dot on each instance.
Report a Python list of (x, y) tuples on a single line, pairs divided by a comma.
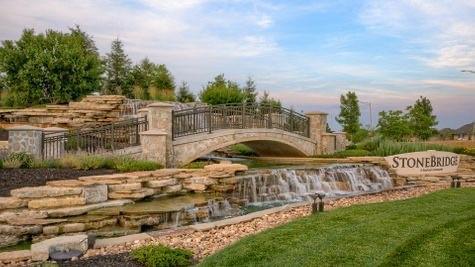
[(55, 129), (25, 128), (315, 113), (154, 132), (160, 104)]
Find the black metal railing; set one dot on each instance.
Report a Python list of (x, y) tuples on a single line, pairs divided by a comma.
[(237, 116), (106, 138)]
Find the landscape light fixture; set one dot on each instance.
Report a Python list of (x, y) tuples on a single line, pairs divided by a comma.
[(318, 207)]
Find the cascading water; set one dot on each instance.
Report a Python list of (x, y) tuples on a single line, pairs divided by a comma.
[(292, 185)]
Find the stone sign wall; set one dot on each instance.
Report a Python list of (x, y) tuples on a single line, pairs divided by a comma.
[(424, 163)]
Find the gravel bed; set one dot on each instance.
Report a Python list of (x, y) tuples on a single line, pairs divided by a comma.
[(16, 178), (122, 259)]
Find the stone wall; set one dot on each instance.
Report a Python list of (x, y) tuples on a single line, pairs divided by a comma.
[(91, 110), (93, 203)]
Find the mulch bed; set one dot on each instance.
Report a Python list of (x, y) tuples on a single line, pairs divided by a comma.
[(16, 178), (122, 260)]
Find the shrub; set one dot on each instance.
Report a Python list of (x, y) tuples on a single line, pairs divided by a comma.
[(12, 163), (162, 256), (125, 164), (46, 164), (70, 162), (1, 164), (92, 162), (22, 159), (196, 165), (243, 150)]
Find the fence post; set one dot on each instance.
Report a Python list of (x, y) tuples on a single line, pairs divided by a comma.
[(112, 137), (137, 137), (243, 111), (161, 118), (210, 121), (269, 121), (25, 138)]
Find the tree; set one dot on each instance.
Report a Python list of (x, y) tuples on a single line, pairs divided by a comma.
[(328, 129), (118, 67), (142, 75), (53, 67), (164, 83), (184, 94), (266, 100), (394, 124), (421, 119), (249, 90), (221, 91), (349, 116)]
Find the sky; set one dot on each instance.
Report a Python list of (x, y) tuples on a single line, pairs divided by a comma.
[(306, 53)]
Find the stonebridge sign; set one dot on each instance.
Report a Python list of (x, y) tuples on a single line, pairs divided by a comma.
[(424, 163)]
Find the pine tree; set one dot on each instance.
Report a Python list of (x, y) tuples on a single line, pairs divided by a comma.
[(184, 94), (118, 68), (143, 75), (349, 116), (249, 91)]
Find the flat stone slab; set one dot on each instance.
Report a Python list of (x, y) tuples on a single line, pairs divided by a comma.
[(12, 203), (101, 243), (44, 191), (15, 256), (41, 250), (46, 203), (73, 211)]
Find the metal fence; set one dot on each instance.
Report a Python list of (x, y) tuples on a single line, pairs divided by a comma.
[(237, 116), (107, 138)]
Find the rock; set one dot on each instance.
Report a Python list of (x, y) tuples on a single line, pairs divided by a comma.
[(195, 187), (223, 187), (9, 240), (73, 227), (182, 175), (44, 191), (232, 180), (12, 203), (139, 194), (28, 221), (228, 168), (28, 214), (125, 187), (66, 183), (51, 230), (161, 183), (165, 172), (219, 175), (100, 224), (42, 249), (172, 188), (46, 203), (20, 230), (200, 180), (15, 256), (95, 193), (135, 221), (73, 211)]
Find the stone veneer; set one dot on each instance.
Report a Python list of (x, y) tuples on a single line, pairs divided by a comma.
[(67, 206)]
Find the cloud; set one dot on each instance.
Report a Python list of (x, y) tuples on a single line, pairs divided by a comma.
[(445, 28), (264, 22)]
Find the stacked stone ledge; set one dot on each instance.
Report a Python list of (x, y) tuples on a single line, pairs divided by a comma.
[(65, 207)]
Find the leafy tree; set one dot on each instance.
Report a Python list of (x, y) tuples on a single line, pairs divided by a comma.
[(221, 91), (184, 94), (118, 66), (53, 67), (266, 100), (249, 90), (349, 116), (394, 124), (142, 75), (421, 119), (328, 129), (164, 83)]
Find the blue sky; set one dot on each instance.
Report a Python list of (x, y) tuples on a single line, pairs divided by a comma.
[(304, 52)]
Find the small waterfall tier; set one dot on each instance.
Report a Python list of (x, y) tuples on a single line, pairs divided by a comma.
[(291, 185)]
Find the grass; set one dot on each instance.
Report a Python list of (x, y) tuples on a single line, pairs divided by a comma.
[(434, 230)]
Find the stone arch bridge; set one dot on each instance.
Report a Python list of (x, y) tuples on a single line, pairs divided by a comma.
[(177, 137)]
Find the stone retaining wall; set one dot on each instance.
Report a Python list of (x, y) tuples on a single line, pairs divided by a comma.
[(70, 206)]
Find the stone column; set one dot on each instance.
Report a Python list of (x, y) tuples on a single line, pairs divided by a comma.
[(318, 126), (328, 144), (341, 141), (160, 118), (55, 148), (26, 138), (154, 144)]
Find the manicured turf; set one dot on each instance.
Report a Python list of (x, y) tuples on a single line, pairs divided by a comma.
[(434, 230)]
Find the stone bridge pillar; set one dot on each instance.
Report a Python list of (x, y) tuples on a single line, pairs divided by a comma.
[(318, 127), (157, 141)]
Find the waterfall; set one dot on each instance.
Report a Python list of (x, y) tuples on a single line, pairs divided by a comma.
[(292, 185)]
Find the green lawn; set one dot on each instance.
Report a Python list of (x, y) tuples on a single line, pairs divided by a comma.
[(434, 230)]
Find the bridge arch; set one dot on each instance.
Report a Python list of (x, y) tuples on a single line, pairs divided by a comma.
[(266, 142)]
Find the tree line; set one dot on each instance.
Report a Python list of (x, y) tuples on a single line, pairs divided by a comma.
[(415, 122), (56, 67)]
